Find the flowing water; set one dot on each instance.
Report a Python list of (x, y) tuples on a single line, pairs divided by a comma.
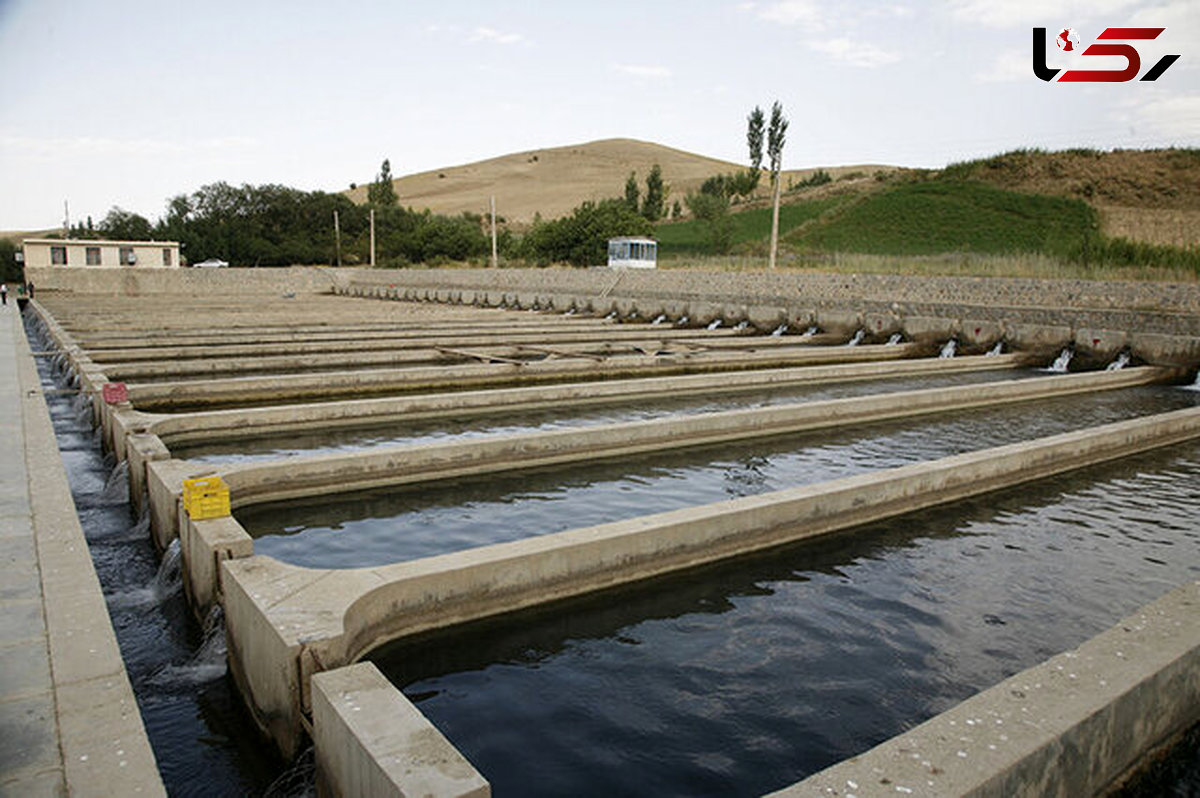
[(204, 742), (385, 526), (732, 680), (746, 677), (361, 439)]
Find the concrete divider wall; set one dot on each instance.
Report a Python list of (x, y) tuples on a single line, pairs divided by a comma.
[(1070, 726), (1159, 321), (286, 623), (371, 741)]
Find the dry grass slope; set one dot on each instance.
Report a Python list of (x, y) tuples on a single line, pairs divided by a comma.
[(553, 181)]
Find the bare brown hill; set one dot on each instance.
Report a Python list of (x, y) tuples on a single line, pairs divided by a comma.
[(552, 181), (1144, 195)]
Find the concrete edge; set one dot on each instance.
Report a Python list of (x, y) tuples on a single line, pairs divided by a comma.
[(370, 741), (293, 621), (103, 740), (1072, 725)]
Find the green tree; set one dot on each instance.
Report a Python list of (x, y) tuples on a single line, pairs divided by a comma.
[(123, 225), (10, 270), (776, 134), (581, 239), (754, 142), (382, 192), (631, 192), (654, 205), (712, 208)]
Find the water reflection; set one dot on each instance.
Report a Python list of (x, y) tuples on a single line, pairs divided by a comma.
[(742, 678), (361, 439), (393, 525)]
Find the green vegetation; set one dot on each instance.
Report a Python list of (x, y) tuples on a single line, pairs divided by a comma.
[(933, 217), (10, 270), (692, 237), (581, 239)]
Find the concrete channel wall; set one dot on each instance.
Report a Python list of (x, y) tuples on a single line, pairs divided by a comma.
[(1159, 322), (1073, 725), (295, 634), (81, 734), (286, 623), (298, 477)]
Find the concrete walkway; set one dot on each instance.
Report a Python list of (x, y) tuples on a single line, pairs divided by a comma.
[(69, 724)]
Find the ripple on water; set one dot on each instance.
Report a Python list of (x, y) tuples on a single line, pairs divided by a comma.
[(743, 678)]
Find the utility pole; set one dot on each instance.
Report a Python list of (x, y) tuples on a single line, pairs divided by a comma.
[(66, 220), (337, 237), (372, 238), (495, 261)]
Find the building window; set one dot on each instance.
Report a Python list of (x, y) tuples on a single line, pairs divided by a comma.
[(127, 258), (93, 256), (58, 256), (166, 256)]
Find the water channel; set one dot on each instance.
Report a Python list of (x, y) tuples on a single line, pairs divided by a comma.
[(363, 439), (202, 738), (732, 680)]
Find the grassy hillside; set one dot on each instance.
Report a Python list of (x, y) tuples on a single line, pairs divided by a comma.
[(935, 214), (952, 216), (691, 237)]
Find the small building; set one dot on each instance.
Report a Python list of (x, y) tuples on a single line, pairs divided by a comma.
[(101, 254), (633, 252)]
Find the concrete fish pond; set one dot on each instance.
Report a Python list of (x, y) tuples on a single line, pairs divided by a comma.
[(676, 535)]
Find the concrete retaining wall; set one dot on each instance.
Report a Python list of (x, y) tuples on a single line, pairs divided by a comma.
[(286, 623), (144, 282), (371, 742), (1160, 321), (1070, 726)]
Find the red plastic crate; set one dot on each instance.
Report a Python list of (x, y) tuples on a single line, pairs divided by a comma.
[(115, 393)]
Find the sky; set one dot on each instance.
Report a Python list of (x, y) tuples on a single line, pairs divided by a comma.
[(130, 102)]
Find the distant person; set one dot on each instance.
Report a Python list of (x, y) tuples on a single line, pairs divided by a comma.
[(3, 293), (29, 289)]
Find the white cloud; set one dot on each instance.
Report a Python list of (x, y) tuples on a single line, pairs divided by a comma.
[(1034, 13), (482, 34), (643, 70), (793, 12), (1175, 117), (855, 53), (1010, 65)]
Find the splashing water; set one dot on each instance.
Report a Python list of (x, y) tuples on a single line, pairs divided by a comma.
[(715, 324), (209, 661), (996, 350), (741, 325), (570, 312), (857, 339), (166, 582), (659, 319), (810, 332), (684, 321), (116, 487), (1060, 364), (299, 780), (780, 330), (948, 349), (895, 339), (1121, 362), (612, 315)]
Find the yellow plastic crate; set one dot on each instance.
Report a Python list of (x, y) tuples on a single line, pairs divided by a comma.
[(206, 497)]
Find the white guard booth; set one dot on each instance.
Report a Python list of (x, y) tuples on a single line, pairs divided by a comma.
[(638, 253)]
